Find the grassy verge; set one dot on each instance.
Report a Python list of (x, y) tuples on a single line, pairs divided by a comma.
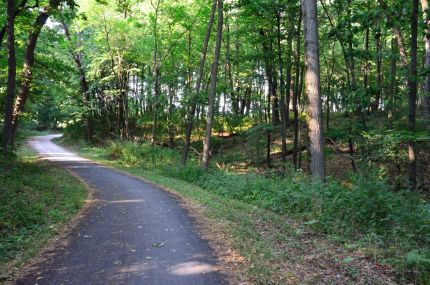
[(251, 214), (37, 200)]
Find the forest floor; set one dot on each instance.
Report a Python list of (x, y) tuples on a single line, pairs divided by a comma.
[(257, 246)]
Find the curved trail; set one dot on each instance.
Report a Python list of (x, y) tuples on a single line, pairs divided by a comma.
[(135, 234)]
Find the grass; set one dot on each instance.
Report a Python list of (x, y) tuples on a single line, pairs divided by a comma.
[(364, 217), (37, 200)]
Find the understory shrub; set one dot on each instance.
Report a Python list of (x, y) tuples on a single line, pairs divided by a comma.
[(143, 155)]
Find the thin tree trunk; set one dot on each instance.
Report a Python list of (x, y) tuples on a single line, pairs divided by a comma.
[(366, 62), (392, 87), (282, 83), (426, 97), (124, 91), (288, 74), (341, 42), (329, 82), (348, 57), (351, 144), (271, 82), (366, 66), (378, 73), (234, 99), (296, 95), (171, 126), (191, 114), (156, 68), (157, 93), (312, 82), (77, 57), (396, 32), (11, 79), (212, 90), (189, 71), (412, 84), (274, 96), (301, 91)]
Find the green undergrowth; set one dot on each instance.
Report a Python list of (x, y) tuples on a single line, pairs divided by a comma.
[(363, 213), (37, 200)]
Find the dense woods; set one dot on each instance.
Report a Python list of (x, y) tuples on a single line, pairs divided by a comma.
[(334, 89)]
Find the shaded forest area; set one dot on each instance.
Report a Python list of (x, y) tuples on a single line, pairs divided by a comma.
[(247, 99)]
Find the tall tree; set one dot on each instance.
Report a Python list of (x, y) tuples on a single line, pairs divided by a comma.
[(312, 89), (412, 85), (283, 104), (27, 72), (11, 78), (212, 89), (156, 70), (85, 90), (191, 114), (21, 7), (297, 92), (426, 99)]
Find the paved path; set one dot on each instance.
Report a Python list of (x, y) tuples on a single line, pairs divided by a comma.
[(136, 234)]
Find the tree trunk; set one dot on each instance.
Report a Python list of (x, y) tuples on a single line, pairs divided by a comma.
[(426, 99), (348, 57), (378, 72), (396, 32), (11, 79), (288, 74), (77, 57), (21, 7), (366, 67), (412, 84), (351, 144), (296, 95), (392, 87), (171, 126), (312, 82), (282, 83), (273, 94), (191, 114), (366, 62), (212, 90), (248, 93), (157, 93), (329, 82), (156, 68), (271, 82), (27, 72), (234, 97)]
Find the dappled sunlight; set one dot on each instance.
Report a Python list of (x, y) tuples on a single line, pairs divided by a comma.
[(192, 268), (52, 152), (65, 158), (79, 166), (115, 201), (134, 268), (126, 201)]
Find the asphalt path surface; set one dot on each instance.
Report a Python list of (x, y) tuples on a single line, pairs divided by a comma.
[(136, 233)]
